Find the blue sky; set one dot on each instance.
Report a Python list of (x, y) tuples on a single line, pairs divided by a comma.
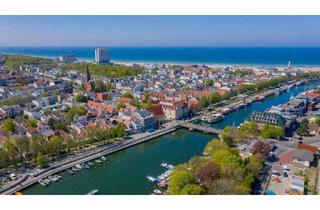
[(160, 31)]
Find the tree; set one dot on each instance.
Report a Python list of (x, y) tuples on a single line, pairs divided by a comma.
[(55, 145), (207, 173), (230, 163), (75, 111), (8, 125), (250, 129), (22, 143), (100, 86), (38, 144), (191, 189), (41, 161), (273, 132), (303, 129), (228, 134), (121, 105), (11, 150), (318, 120), (31, 122), (222, 187), (179, 179), (204, 101), (262, 148), (215, 97), (59, 125), (127, 95), (4, 159), (213, 146), (255, 165), (82, 98)]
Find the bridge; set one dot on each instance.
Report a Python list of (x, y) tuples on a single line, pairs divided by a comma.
[(203, 128)]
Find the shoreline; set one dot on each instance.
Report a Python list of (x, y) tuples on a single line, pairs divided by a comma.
[(263, 66)]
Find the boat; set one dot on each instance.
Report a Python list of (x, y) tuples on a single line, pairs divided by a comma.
[(166, 165), (260, 98), (53, 178), (42, 182), (98, 161), (86, 166), (47, 181), (90, 163), (93, 192), (79, 166), (75, 169), (103, 158), (150, 178), (58, 176), (70, 172), (225, 111), (216, 117), (162, 184), (157, 192)]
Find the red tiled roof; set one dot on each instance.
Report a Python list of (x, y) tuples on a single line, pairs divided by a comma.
[(98, 105), (308, 147), (286, 157), (156, 110), (124, 100)]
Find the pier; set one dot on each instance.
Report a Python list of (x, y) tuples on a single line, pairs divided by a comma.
[(203, 128)]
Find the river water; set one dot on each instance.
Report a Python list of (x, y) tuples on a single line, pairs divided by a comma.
[(124, 172)]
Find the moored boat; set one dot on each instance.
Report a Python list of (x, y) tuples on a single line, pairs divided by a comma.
[(42, 182), (157, 192), (93, 192)]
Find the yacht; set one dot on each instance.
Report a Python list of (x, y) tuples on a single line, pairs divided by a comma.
[(157, 192), (42, 182), (93, 192)]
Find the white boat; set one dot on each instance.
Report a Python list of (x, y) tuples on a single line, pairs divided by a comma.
[(47, 181), (53, 178), (215, 117), (42, 182), (158, 192), (98, 161), (70, 172), (225, 110), (58, 176), (79, 166), (75, 169), (90, 163), (103, 158), (150, 178), (93, 192)]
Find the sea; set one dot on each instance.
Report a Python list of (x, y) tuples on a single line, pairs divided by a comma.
[(261, 56)]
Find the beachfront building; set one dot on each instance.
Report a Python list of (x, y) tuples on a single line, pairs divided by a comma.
[(101, 55)]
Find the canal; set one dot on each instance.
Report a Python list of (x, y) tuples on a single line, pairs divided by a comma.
[(124, 173)]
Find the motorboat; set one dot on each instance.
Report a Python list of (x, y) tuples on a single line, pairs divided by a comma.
[(42, 182), (93, 192)]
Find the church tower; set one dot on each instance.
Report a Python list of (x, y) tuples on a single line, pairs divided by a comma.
[(88, 76)]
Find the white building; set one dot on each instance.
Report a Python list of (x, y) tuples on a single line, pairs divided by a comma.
[(101, 55), (68, 58)]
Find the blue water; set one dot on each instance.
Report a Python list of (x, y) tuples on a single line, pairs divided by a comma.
[(264, 56)]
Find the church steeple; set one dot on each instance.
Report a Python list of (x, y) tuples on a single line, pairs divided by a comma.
[(88, 76)]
